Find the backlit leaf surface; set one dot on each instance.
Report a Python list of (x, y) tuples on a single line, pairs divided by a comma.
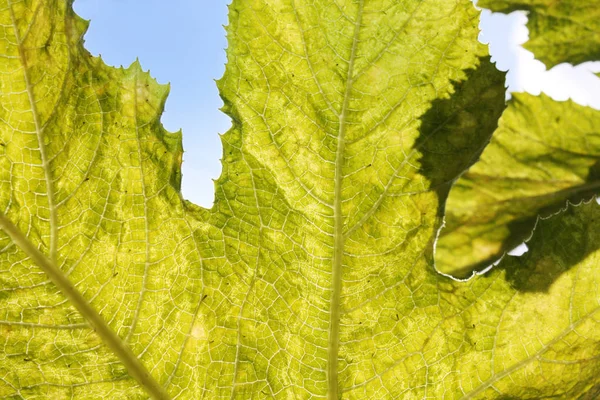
[(312, 276), (543, 154)]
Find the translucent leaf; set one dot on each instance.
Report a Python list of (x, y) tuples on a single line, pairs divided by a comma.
[(312, 275), (533, 329), (544, 154)]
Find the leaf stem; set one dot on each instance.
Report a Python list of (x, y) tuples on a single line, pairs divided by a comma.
[(134, 366)]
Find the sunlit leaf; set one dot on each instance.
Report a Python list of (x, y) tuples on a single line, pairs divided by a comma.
[(543, 154), (312, 276)]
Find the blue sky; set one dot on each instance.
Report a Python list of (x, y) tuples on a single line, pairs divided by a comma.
[(183, 42)]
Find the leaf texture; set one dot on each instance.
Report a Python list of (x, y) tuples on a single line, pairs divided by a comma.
[(92, 179), (559, 31), (544, 154), (312, 276), (534, 319)]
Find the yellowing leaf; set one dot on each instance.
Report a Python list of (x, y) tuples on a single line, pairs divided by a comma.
[(312, 276), (543, 154), (530, 325), (92, 179)]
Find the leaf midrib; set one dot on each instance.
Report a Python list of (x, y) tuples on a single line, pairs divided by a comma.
[(339, 237), (131, 362), (39, 131)]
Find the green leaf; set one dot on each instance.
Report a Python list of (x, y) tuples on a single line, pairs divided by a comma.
[(90, 176), (559, 31), (312, 275), (531, 324), (543, 155)]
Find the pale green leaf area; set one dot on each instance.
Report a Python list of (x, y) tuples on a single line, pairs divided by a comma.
[(559, 30), (543, 154), (312, 276)]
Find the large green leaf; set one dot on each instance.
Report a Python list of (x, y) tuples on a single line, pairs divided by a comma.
[(312, 275), (559, 31), (543, 154)]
